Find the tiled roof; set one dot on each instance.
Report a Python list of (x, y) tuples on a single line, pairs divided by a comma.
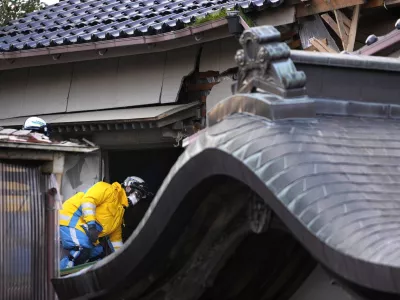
[(14, 138), (82, 21)]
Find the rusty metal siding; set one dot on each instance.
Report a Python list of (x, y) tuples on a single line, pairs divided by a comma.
[(23, 240)]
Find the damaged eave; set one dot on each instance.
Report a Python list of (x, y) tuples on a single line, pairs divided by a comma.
[(171, 116), (382, 44), (54, 148)]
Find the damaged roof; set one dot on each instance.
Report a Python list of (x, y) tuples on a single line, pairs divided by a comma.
[(382, 45), (26, 139), (80, 21)]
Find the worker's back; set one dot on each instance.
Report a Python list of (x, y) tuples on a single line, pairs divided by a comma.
[(103, 203)]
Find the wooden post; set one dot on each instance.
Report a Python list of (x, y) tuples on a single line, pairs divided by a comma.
[(56, 167), (353, 29)]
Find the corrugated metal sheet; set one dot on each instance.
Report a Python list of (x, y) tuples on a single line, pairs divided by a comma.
[(24, 242), (313, 27), (126, 114)]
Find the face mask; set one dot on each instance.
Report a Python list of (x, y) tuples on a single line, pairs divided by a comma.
[(132, 198)]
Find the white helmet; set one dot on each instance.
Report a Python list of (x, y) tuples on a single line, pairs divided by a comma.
[(136, 189), (36, 124)]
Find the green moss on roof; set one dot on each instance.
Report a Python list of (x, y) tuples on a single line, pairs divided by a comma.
[(221, 14)]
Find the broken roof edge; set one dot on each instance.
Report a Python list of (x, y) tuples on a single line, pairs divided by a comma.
[(380, 44), (48, 147), (131, 41), (346, 60)]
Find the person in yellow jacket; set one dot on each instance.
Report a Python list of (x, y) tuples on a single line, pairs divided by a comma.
[(86, 217)]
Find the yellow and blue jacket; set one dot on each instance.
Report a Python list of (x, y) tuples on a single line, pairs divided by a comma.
[(103, 204)]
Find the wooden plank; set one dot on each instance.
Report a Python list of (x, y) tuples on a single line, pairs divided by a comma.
[(331, 22), (312, 48), (346, 20), (353, 28), (321, 6), (342, 33), (320, 46)]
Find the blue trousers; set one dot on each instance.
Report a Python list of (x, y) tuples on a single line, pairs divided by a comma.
[(79, 246)]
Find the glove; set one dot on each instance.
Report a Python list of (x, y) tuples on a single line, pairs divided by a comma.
[(93, 233)]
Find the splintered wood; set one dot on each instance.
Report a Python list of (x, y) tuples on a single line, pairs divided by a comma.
[(345, 28), (320, 45)]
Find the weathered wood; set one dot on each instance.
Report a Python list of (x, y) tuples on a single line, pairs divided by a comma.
[(342, 32), (320, 46), (312, 48), (314, 27), (331, 22), (56, 166), (26, 155), (321, 6), (353, 28), (346, 20)]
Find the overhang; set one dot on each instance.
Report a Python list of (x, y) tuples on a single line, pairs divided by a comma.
[(114, 119)]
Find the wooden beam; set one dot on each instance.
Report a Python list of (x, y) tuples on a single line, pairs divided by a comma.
[(353, 29), (346, 20), (25, 154), (320, 46), (312, 48), (321, 6), (331, 22), (342, 32)]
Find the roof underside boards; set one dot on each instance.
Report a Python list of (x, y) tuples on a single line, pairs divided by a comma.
[(126, 115), (80, 21)]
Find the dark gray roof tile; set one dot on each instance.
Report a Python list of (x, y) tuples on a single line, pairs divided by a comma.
[(80, 21)]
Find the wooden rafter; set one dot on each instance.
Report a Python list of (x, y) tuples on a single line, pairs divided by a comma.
[(345, 28), (353, 28), (321, 46), (342, 31), (332, 24), (312, 48)]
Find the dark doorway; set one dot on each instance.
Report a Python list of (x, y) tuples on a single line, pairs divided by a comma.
[(152, 165)]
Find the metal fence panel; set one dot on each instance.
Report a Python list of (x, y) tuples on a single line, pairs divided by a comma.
[(23, 236)]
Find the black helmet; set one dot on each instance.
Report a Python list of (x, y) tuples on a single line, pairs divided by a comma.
[(136, 189)]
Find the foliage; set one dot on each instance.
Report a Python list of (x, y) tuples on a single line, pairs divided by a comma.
[(246, 18), (211, 17), (14, 9), (220, 15)]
